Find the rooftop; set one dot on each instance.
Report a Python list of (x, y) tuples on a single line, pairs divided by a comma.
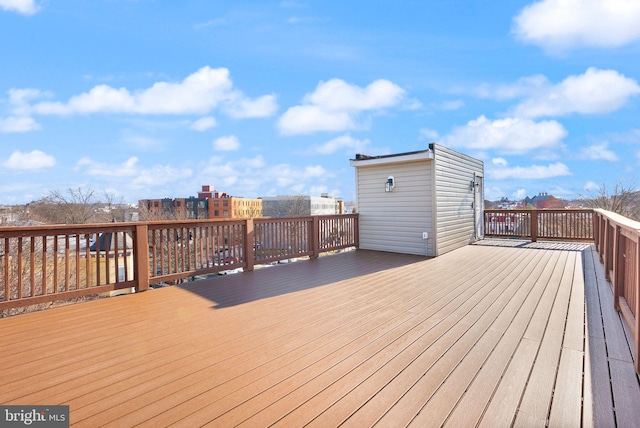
[(508, 332)]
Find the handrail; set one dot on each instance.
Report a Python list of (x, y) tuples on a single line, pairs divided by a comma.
[(40, 264), (617, 241), (553, 224)]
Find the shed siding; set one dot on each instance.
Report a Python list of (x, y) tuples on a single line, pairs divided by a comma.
[(394, 221), (453, 174)]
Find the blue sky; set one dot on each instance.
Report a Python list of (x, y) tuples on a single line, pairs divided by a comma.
[(152, 99)]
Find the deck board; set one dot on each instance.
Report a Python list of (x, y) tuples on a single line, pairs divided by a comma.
[(486, 335), (442, 403), (468, 332), (537, 397)]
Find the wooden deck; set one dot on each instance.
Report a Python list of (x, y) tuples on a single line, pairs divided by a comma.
[(488, 335)]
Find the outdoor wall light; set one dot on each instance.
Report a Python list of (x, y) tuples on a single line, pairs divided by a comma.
[(472, 186), (389, 184)]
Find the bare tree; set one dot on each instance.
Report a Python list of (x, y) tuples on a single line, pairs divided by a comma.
[(113, 208), (76, 206), (147, 214), (624, 199)]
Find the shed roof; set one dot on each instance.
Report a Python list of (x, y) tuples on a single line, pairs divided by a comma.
[(363, 160)]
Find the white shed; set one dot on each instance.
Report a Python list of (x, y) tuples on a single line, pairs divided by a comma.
[(427, 202)]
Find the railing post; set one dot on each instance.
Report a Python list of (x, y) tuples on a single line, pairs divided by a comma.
[(607, 253), (314, 241), (142, 257), (356, 231), (534, 225), (616, 277), (249, 246), (636, 287), (596, 230)]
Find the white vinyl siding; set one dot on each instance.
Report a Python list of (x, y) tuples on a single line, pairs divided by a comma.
[(453, 174), (394, 221)]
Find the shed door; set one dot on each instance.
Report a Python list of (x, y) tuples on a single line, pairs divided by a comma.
[(478, 204)]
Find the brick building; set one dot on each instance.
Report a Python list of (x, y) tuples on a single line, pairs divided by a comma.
[(208, 205)]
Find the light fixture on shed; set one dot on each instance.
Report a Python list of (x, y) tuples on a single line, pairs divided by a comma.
[(389, 184)]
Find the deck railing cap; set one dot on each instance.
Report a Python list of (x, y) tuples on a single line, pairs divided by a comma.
[(620, 219)]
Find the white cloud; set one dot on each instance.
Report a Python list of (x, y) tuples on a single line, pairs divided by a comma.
[(314, 171), (337, 95), (430, 134), (532, 172), (300, 20), (295, 178), (344, 142), (136, 175), (204, 123), (128, 168), (336, 106), (591, 186), (558, 25), (142, 142), (632, 136), (499, 161), (217, 22), (525, 86), (25, 7), (308, 119), (34, 160), (158, 175), (506, 136), (595, 91), (520, 194), (198, 93), (18, 124), (227, 144), (19, 100), (264, 106), (451, 105), (599, 152), (20, 119), (253, 176)]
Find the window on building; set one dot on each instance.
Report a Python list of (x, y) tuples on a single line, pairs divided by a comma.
[(225, 203), (216, 203), (156, 204), (216, 213), (225, 213)]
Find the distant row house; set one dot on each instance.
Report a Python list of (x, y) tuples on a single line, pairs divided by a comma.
[(301, 205), (543, 201), (210, 204)]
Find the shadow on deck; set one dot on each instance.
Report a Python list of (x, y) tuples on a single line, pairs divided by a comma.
[(269, 281)]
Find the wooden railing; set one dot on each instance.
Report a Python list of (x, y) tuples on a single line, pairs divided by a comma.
[(618, 243), (563, 225), (41, 264)]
